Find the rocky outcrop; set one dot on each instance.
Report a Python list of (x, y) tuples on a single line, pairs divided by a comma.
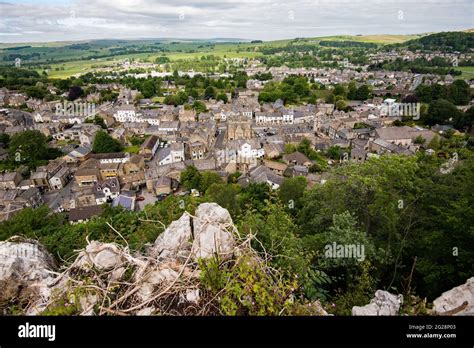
[(383, 304), (167, 269), (209, 233), (167, 279), (175, 241), (457, 301), (103, 256), (25, 269), (213, 232)]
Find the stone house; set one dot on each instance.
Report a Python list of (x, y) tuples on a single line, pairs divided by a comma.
[(9, 180), (149, 147), (106, 191)]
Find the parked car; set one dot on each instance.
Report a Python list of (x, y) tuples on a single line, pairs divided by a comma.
[(161, 197), (140, 198)]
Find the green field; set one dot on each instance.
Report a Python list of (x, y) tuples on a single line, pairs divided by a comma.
[(467, 72), (132, 149), (377, 39), (76, 56)]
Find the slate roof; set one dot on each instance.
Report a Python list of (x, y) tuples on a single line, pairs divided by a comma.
[(84, 213), (124, 201)]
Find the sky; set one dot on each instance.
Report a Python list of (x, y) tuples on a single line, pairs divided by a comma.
[(68, 20)]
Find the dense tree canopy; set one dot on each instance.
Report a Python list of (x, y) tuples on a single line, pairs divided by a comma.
[(104, 143)]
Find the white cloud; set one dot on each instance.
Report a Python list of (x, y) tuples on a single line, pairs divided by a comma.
[(251, 19)]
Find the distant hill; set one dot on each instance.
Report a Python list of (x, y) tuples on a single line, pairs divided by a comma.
[(461, 41)]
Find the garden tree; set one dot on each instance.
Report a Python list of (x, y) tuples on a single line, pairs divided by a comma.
[(31, 149), (441, 240), (62, 240), (104, 143), (335, 153), (316, 168), (288, 95), (232, 178), (210, 93), (393, 200), (374, 188), (207, 179), (290, 148), (199, 107), (306, 148), (419, 140), (291, 90), (148, 89), (313, 98), (434, 143), (341, 105), (270, 93), (240, 78), (75, 92), (35, 92), (330, 98), (273, 224), (358, 292), (254, 196), (179, 99), (222, 97), (351, 91), (301, 88), (191, 178), (363, 93), (427, 94), (4, 139), (192, 92), (459, 92), (340, 90), (108, 96), (291, 192), (263, 76), (464, 122), (411, 98), (225, 195), (343, 271), (97, 120), (441, 112), (162, 60), (34, 223)]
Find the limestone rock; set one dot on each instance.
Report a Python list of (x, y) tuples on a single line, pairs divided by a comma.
[(25, 269), (87, 303), (383, 304), (175, 241), (455, 298), (156, 278), (145, 311), (318, 308), (213, 233), (103, 256), (192, 295), (117, 274)]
